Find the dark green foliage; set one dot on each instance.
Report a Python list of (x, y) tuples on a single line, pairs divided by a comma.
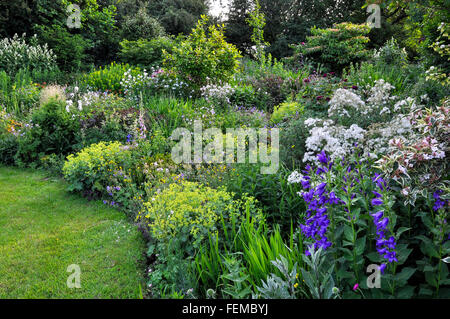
[(238, 30), (69, 48), (337, 47), (290, 21), (141, 25), (178, 16), (8, 149), (415, 23), (53, 131), (279, 200), (145, 53)]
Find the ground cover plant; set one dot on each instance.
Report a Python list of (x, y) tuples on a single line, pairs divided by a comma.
[(356, 207)]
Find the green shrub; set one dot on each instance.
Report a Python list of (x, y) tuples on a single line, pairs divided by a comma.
[(368, 73), (286, 111), (166, 113), (245, 96), (201, 57), (143, 53), (8, 149), (141, 26), (292, 142), (52, 163), (336, 47), (90, 170), (278, 199), (389, 63), (190, 211), (108, 79), (69, 48), (269, 90), (391, 54), (52, 131)]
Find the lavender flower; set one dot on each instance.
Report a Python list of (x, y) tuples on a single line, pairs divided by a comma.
[(316, 223), (385, 247), (439, 203)]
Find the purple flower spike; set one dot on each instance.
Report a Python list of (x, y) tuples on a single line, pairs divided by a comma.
[(377, 202), (322, 157)]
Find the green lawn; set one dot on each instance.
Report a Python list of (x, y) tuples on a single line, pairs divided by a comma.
[(44, 229)]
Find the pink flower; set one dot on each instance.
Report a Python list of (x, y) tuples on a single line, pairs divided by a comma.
[(355, 287)]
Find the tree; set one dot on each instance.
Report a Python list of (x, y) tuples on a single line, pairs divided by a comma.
[(204, 55), (141, 25), (20, 16), (178, 16), (417, 23), (96, 40), (257, 21), (290, 21), (238, 31)]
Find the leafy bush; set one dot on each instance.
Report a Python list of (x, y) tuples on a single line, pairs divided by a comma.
[(190, 211), (278, 198), (317, 90), (285, 111), (70, 49), (245, 96), (51, 131), (270, 90), (109, 79), (200, 57), (8, 148), (419, 164), (292, 141), (390, 63), (9, 128), (391, 54), (103, 125), (90, 169), (142, 86), (17, 54), (144, 53), (336, 47), (368, 73)]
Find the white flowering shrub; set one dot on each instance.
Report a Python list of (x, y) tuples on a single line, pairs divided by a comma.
[(373, 119), (156, 81), (217, 94), (374, 105), (380, 95), (91, 101), (379, 135), (16, 54), (335, 140), (345, 101)]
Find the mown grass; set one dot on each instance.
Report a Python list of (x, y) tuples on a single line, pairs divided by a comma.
[(44, 229)]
